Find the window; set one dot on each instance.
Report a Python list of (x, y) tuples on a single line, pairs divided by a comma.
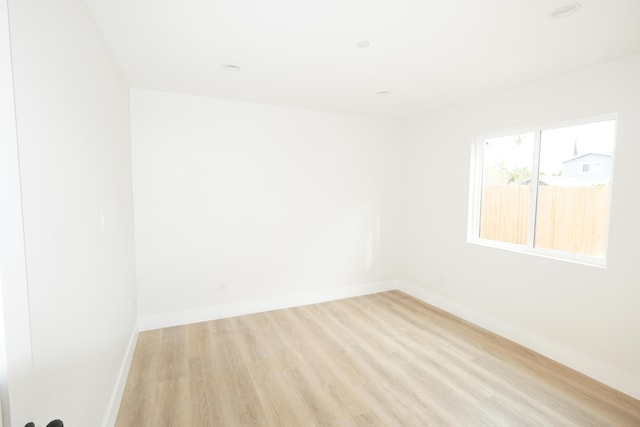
[(591, 167), (545, 191)]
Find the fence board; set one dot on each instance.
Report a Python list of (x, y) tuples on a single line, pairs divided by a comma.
[(569, 219), (505, 213)]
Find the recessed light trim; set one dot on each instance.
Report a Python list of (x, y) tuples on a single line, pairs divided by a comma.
[(564, 11), (362, 44), (231, 67), (383, 93)]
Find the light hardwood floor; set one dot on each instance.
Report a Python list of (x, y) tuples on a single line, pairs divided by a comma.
[(378, 360)]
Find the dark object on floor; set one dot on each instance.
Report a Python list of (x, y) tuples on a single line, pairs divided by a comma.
[(54, 423)]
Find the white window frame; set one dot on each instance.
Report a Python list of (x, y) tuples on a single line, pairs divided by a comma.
[(592, 167), (475, 193)]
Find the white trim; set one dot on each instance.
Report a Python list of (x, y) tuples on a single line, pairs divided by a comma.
[(604, 117), (203, 314), (612, 169), (533, 190), (116, 397), (475, 191), (624, 381), (598, 262)]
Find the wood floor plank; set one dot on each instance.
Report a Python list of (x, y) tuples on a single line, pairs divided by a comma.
[(379, 360)]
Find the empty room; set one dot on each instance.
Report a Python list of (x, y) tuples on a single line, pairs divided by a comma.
[(319, 213)]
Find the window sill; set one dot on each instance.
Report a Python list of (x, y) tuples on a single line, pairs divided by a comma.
[(598, 262)]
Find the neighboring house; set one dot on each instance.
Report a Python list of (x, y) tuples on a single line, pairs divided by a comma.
[(580, 171), (592, 168)]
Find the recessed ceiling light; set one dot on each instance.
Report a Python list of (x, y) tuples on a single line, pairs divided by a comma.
[(363, 43), (383, 93), (231, 67), (564, 11)]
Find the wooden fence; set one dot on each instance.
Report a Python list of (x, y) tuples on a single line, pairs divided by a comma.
[(569, 219)]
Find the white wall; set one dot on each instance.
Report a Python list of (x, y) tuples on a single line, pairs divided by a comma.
[(72, 111), (587, 316), (16, 374), (237, 201)]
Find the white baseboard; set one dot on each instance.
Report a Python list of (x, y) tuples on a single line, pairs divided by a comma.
[(121, 382), (606, 373), (185, 317), (624, 381)]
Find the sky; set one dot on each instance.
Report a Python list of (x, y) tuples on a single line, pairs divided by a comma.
[(557, 145)]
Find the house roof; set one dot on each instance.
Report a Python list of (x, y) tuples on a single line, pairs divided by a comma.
[(588, 154)]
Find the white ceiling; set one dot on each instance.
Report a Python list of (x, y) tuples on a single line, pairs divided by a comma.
[(302, 53)]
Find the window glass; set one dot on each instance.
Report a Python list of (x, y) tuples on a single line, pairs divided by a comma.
[(573, 191), (506, 176)]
